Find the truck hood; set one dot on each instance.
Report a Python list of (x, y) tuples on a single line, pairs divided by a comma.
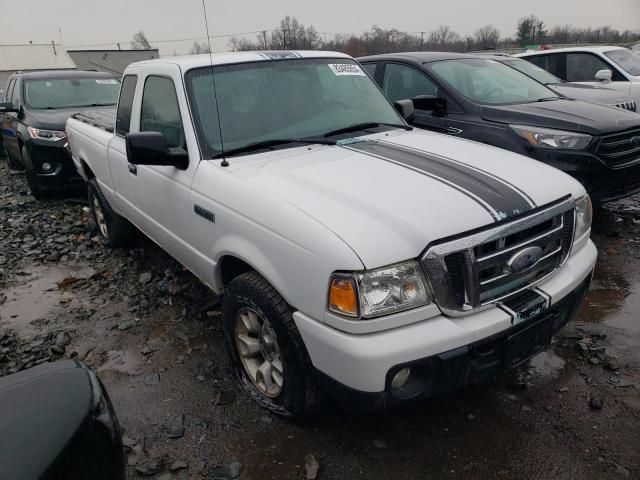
[(57, 119), (564, 114), (390, 195), (590, 93)]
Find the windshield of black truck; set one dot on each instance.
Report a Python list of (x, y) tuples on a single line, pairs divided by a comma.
[(533, 71), (284, 99), (490, 82), (60, 93)]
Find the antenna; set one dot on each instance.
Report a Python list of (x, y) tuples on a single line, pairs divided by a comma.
[(213, 82)]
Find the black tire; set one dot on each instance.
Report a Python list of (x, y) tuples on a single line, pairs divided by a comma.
[(32, 180), (117, 231), (299, 397)]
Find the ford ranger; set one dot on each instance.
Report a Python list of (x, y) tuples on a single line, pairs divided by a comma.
[(356, 258)]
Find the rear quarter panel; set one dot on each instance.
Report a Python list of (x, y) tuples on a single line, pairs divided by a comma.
[(89, 151)]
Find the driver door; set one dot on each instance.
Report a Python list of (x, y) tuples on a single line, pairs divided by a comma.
[(401, 82)]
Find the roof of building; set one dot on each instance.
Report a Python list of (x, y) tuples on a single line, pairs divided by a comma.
[(34, 57)]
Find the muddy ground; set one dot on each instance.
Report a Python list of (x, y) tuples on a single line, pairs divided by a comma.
[(152, 333)]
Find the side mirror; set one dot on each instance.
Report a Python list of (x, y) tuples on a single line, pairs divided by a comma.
[(6, 107), (604, 76), (150, 148), (431, 103), (406, 109)]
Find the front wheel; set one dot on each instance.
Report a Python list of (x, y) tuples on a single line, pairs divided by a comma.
[(267, 352)]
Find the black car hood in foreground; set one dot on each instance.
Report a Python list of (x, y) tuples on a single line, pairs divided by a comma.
[(56, 119), (564, 114), (589, 93)]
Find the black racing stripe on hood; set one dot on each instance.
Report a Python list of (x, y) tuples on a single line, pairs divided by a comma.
[(504, 199)]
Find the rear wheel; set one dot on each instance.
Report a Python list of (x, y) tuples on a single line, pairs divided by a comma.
[(29, 173), (267, 352), (113, 230)]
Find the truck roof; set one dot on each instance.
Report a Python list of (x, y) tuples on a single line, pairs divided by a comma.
[(602, 49), (193, 61)]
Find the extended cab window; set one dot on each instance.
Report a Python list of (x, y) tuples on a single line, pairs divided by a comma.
[(582, 67), (123, 117), (160, 110), (370, 68), (402, 82)]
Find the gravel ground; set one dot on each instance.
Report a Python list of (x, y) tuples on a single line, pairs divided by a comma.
[(153, 334)]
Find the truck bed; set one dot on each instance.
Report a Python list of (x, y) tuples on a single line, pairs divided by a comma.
[(103, 119)]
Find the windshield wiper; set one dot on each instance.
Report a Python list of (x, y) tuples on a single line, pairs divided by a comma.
[(266, 144), (365, 126), (547, 99)]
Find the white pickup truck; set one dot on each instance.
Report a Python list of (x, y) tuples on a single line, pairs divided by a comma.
[(356, 257)]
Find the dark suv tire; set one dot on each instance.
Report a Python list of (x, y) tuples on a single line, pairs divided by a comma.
[(266, 349), (29, 173)]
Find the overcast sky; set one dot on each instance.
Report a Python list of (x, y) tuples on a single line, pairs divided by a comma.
[(89, 22)]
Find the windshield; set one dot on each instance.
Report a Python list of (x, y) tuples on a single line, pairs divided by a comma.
[(491, 82), (627, 60), (531, 70), (293, 99), (74, 92)]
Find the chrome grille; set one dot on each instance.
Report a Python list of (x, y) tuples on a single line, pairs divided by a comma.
[(471, 273), (619, 149)]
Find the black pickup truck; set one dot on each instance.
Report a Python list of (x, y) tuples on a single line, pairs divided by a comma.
[(484, 100)]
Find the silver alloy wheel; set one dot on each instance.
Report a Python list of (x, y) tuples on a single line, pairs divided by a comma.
[(100, 219), (259, 352)]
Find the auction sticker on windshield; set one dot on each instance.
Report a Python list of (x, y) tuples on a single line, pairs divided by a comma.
[(346, 69)]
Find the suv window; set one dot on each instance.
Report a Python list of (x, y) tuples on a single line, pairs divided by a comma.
[(125, 105), (370, 68), (550, 63), (582, 67), (160, 111), (403, 82), (9, 93)]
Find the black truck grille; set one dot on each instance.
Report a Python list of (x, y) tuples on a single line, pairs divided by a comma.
[(620, 149), (473, 272)]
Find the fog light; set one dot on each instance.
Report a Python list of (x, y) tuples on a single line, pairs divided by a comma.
[(47, 167), (400, 379)]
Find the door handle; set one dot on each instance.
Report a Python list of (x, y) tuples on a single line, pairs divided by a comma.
[(133, 169)]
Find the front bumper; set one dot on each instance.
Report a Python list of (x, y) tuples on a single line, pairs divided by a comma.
[(603, 183), (446, 353), (64, 176)]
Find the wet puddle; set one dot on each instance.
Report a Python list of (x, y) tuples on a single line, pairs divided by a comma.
[(547, 364), (42, 290), (613, 300)]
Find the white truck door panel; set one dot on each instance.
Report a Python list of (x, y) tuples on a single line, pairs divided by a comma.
[(163, 107), (125, 184)]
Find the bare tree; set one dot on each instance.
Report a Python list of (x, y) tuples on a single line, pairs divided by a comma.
[(200, 47), (242, 45), (529, 29), (487, 37), (444, 35), (139, 41)]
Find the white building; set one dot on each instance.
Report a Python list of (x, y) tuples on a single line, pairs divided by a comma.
[(31, 58)]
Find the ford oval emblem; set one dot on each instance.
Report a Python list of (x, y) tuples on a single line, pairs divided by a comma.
[(525, 259)]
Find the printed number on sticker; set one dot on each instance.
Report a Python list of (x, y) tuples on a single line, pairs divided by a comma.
[(110, 81), (346, 69)]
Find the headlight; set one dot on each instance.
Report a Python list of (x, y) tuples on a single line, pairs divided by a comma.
[(584, 215), (40, 134), (551, 139), (378, 292)]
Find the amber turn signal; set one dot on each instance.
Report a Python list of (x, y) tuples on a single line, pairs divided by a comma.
[(343, 298)]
